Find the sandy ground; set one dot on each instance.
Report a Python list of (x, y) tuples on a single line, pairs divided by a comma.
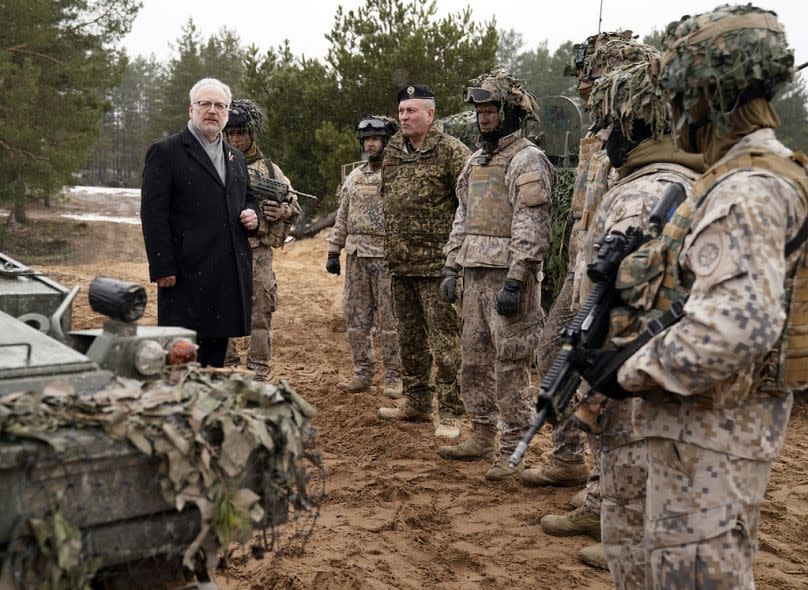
[(395, 514)]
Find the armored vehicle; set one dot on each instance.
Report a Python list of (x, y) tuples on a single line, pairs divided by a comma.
[(122, 464)]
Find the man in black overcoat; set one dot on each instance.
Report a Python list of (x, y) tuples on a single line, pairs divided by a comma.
[(197, 210)]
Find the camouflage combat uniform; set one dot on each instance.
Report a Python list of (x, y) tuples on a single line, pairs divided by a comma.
[(622, 452), (709, 458), (500, 232), (265, 289), (419, 202), (359, 228), (716, 385)]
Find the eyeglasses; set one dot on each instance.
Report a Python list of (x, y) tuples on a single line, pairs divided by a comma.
[(372, 123), (206, 104)]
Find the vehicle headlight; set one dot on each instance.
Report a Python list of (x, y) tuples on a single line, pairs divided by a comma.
[(181, 351), (149, 357)]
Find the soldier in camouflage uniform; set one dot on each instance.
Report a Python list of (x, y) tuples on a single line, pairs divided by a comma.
[(641, 150), (242, 129), (498, 238), (420, 170), (359, 228), (600, 54), (567, 466), (728, 292)]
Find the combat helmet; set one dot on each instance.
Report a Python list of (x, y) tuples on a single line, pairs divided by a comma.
[(245, 114), (496, 86), (376, 126), (628, 98), (582, 52), (727, 57)]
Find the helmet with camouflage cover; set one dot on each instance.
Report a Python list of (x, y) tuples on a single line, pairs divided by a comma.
[(617, 53), (628, 98), (582, 52), (500, 87), (506, 91), (726, 57), (245, 114), (376, 126)]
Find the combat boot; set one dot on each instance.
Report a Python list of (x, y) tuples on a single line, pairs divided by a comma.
[(479, 446), (581, 521), (393, 389), (501, 470), (448, 427), (594, 556), (354, 385), (587, 418), (557, 472), (578, 499), (404, 411)]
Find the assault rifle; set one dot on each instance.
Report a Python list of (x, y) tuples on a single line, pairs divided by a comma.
[(589, 328), (269, 189)]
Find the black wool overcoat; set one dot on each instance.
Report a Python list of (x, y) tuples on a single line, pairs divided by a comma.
[(192, 230)]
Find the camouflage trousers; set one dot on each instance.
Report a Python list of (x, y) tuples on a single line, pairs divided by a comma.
[(367, 294), (428, 328), (497, 352), (568, 441), (264, 302), (622, 486), (701, 517)]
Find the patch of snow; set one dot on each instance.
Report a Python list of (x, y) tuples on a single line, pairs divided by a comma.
[(95, 217), (108, 190)]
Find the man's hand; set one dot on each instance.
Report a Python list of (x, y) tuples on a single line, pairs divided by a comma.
[(249, 219), (332, 264), (448, 286), (273, 211), (169, 281), (508, 297), (596, 367)]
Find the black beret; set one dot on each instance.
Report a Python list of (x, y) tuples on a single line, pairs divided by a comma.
[(415, 91)]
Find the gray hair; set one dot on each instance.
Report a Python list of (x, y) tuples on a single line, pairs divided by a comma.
[(211, 82)]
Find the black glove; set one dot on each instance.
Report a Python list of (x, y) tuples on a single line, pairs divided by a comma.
[(448, 286), (332, 264), (597, 367), (508, 297)]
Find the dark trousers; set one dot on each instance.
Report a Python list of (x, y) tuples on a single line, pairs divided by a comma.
[(211, 351)]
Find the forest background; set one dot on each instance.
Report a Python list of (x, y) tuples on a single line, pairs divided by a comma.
[(76, 109)]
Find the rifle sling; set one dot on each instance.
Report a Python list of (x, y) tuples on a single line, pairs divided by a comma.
[(798, 240)]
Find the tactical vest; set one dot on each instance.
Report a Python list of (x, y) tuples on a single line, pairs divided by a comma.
[(488, 209), (650, 284), (365, 213), (673, 172)]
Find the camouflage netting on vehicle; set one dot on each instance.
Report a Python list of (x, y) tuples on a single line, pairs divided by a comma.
[(204, 426), (555, 259), (463, 126), (721, 54), (626, 95)]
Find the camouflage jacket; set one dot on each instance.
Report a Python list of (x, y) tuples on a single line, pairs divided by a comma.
[(274, 233), (629, 203), (529, 180), (418, 200), (734, 265), (359, 226)]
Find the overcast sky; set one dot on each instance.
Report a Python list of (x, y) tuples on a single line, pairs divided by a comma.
[(305, 22)]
